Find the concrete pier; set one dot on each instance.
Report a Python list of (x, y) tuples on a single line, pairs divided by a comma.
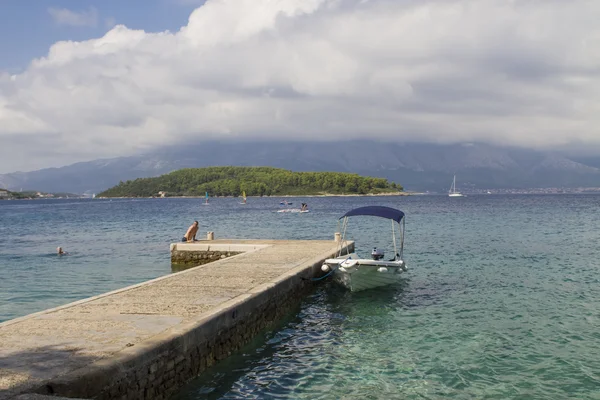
[(147, 340)]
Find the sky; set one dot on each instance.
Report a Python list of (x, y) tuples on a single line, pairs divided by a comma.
[(85, 79)]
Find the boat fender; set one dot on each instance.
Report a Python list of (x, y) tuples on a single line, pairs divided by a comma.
[(325, 268), (342, 269), (382, 269), (403, 266)]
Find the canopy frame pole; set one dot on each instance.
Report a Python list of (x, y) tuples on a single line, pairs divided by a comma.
[(402, 238), (394, 239), (343, 242)]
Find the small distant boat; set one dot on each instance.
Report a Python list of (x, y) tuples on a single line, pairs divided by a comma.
[(206, 198), (292, 210), (452, 192), (356, 273), (285, 203), (243, 197)]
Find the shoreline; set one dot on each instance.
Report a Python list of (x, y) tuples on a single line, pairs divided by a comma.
[(279, 196)]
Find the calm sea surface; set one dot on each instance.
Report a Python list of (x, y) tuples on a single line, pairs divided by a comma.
[(501, 300)]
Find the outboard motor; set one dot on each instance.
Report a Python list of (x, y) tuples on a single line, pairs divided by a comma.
[(377, 254)]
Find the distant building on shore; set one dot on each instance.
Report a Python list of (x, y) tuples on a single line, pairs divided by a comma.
[(4, 193)]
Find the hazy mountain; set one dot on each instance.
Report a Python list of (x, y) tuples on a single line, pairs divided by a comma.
[(416, 166)]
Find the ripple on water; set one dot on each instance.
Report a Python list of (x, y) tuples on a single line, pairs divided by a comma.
[(500, 300), (384, 345)]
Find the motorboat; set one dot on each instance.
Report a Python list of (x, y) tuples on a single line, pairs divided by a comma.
[(302, 209), (357, 273)]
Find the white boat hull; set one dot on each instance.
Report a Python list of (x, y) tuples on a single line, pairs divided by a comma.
[(361, 274), (455, 195)]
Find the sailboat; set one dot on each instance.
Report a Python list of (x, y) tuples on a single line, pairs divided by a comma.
[(243, 197), (206, 199), (453, 192)]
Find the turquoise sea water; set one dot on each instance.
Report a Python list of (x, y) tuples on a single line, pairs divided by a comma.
[(501, 299)]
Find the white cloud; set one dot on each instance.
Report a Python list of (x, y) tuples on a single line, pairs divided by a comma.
[(63, 16), (520, 72)]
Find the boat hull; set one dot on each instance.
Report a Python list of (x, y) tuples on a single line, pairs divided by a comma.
[(357, 275)]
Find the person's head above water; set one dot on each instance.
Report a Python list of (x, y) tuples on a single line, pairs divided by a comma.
[(59, 250)]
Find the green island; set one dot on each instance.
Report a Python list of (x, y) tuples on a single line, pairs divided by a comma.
[(33, 195), (254, 181)]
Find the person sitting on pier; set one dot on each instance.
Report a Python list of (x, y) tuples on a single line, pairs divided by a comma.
[(190, 235)]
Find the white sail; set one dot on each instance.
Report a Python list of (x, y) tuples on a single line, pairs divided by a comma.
[(452, 192)]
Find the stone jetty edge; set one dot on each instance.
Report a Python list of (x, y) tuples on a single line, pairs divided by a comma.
[(159, 366), (121, 290)]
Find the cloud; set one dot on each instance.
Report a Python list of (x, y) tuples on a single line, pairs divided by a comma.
[(63, 16), (519, 72)]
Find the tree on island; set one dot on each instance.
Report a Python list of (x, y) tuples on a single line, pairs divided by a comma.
[(255, 181)]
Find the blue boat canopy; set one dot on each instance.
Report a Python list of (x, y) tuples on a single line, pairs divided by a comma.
[(376, 211)]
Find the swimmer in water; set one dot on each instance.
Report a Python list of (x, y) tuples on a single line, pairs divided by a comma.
[(60, 251)]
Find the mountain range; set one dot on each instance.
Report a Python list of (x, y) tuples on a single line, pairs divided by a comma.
[(419, 167)]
